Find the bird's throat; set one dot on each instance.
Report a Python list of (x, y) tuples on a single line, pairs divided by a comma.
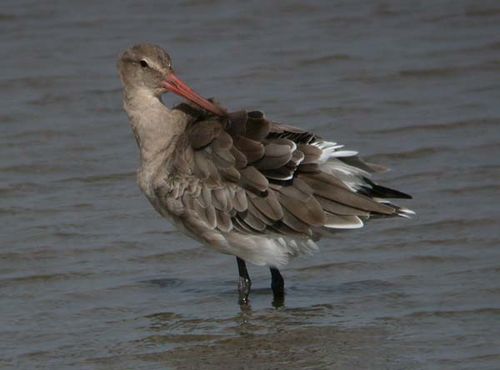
[(155, 126)]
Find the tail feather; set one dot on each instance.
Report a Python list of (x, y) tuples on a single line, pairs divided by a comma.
[(379, 191)]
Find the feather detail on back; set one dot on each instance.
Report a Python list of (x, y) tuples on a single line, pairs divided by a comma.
[(264, 191)]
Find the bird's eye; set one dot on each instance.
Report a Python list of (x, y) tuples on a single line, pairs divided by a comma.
[(144, 64)]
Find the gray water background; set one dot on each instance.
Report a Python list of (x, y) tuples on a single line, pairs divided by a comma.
[(92, 278)]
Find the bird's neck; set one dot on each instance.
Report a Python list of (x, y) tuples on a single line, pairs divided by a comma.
[(155, 126)]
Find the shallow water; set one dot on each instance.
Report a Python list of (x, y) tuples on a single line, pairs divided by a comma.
[(92, 278)]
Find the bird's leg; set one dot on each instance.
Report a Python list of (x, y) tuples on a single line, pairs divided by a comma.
[(278, 287), (244, 283)]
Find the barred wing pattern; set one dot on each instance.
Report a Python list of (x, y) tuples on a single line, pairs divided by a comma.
[(265, 191)]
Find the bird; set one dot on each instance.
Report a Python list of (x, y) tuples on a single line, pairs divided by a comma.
[(238, 182)]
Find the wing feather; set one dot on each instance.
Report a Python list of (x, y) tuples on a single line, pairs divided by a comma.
[(248, 175)]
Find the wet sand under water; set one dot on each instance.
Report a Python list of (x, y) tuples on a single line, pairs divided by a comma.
[(302, 348)]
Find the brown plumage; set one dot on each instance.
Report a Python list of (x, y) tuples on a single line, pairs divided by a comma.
[(309, 200), (238, 182)]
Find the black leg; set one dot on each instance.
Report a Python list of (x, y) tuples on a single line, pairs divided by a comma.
[(278, 287), (244, 283)]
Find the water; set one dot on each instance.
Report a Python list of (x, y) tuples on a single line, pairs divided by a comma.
[(92, 278)]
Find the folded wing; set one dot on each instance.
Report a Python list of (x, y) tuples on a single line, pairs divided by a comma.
[(245, 175)]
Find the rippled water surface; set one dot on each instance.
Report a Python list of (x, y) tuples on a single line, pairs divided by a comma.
[(92, 278)]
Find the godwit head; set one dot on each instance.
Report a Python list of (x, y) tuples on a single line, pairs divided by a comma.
[(148, 68)]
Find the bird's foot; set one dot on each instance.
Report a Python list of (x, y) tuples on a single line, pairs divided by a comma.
[(278, 297), (244, 285), (278, 287)]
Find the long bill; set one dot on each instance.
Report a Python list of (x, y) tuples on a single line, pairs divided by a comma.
[(177, 86)]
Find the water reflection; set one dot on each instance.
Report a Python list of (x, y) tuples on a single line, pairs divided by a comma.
[(261, 338)]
